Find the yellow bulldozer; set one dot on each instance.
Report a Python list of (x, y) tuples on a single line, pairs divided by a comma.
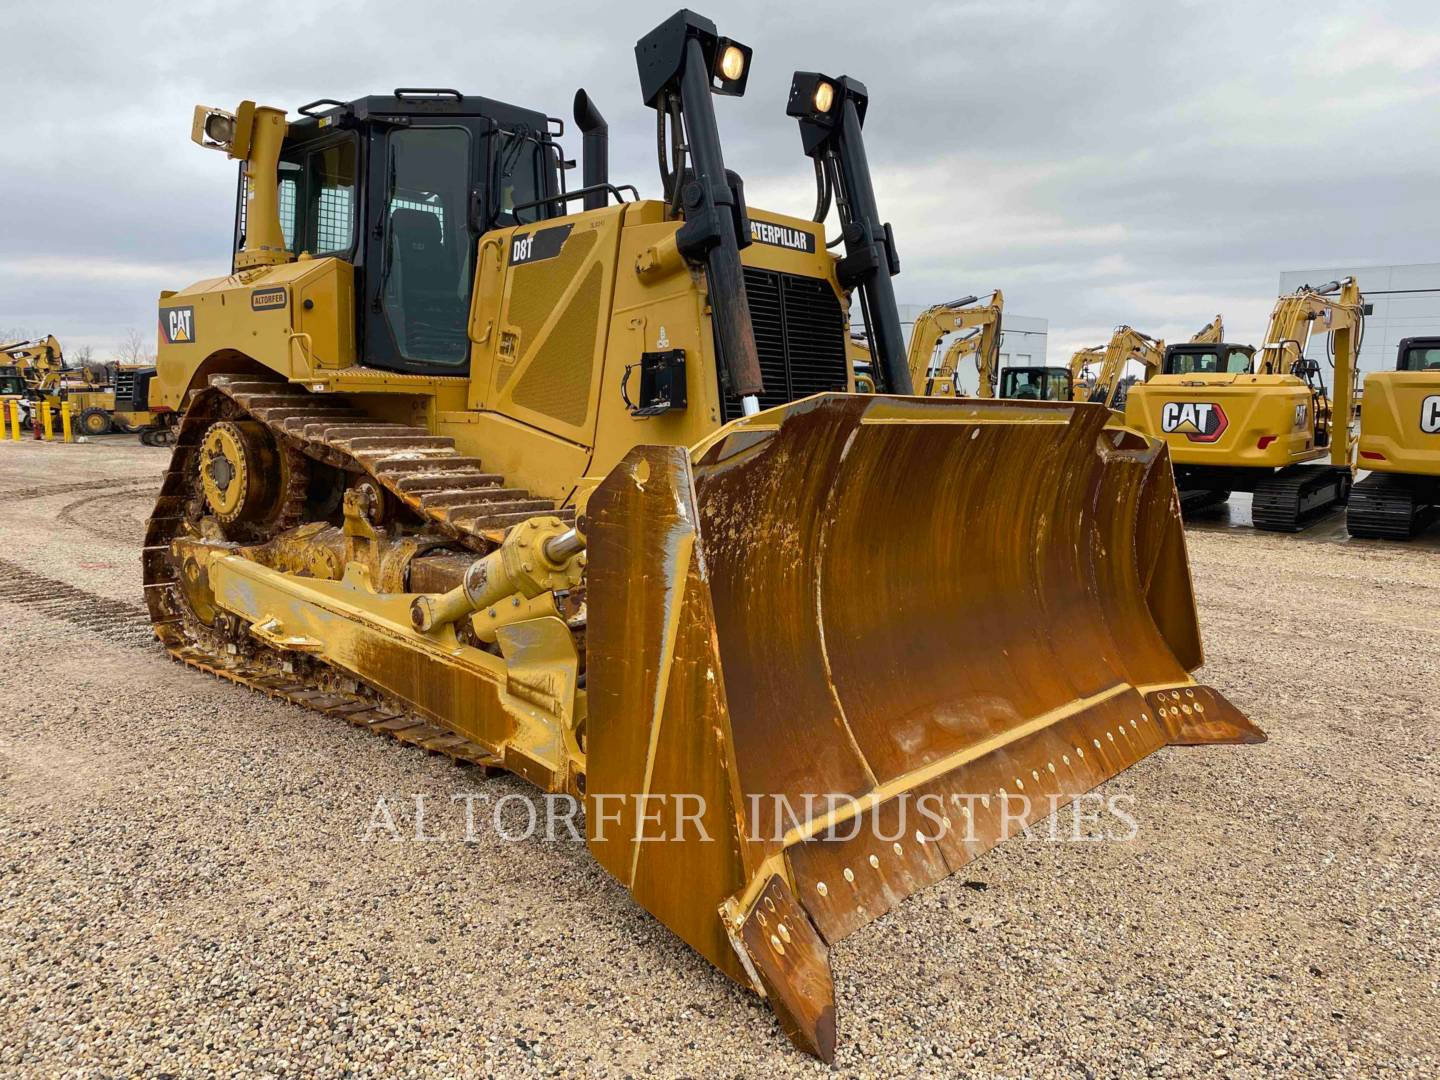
[(1238, 420), (584, 493), (1400, 443)]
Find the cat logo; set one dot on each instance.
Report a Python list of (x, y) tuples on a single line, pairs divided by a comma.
[(1430, 415), (1302, 415), (267, 299), (1198, 421), (177, 325)]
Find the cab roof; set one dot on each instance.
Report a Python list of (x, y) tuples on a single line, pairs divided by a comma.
[(408, 103)]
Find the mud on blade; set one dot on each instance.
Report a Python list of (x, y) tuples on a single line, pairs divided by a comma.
[(872, 601)]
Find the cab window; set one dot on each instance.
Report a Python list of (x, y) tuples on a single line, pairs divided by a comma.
[(1034, 384), (517, 177), (330, 199), (1233, 362), (1421, 359), (427, 272), (1191, 363), (288, 191)]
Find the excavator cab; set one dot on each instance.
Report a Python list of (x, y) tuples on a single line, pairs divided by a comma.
[(1209, 359), (1035, 383)]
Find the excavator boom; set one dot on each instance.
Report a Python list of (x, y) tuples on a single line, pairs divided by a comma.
[(1109, 361), (977, 326)]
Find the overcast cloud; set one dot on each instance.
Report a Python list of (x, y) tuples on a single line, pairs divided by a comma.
[(1144, 161)]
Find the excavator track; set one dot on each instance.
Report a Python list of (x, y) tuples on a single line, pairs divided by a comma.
[(1296, 497), (1386, 506), (1194, 500), (451, 494)]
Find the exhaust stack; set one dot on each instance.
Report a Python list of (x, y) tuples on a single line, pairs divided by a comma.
[(595, 147)]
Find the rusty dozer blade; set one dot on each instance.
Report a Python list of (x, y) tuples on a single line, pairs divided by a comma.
[(835, 615)]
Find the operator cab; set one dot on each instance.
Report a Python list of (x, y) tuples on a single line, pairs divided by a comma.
[(1036, 383), (1221, 359), (401, 187), (1419, 354)]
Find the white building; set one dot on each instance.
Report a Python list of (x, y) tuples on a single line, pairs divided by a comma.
[(1022, 341), (1406, 301)]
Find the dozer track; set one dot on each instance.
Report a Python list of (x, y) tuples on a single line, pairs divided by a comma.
[(452, 493), (1296, 497), (1384, 506)]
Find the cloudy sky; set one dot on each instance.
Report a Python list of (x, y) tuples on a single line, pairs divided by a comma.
[(1140, 161)]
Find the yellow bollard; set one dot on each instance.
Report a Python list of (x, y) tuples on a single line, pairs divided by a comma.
[(15, 420), (65, 422), (47, 420)]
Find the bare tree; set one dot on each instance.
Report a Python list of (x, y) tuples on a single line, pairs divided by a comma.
[(81, 356), (134, 349)]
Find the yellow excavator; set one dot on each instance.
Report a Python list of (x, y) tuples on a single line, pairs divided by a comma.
[(1097, 373), (1400, 445), (1238, 420), (978, 326), (584, 493)]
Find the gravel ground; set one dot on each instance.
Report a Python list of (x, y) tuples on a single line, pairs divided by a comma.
[(188, 888)]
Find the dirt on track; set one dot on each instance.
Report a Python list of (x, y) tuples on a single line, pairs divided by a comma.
[(189, 888)]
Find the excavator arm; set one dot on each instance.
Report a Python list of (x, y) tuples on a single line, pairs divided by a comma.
[(1336, 308), (1126, 344), (984, 322), (41, 363), (1212, 333)]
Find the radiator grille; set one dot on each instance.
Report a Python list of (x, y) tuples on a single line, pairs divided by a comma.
[(799, 334)]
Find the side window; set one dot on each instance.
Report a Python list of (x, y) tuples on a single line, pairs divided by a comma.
[(1238, 362), (330, 209), (517, 177), (288, 192), (429, 252)]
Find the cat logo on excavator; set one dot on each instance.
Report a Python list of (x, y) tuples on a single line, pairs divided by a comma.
[(1430, 415), (1198, 421)]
